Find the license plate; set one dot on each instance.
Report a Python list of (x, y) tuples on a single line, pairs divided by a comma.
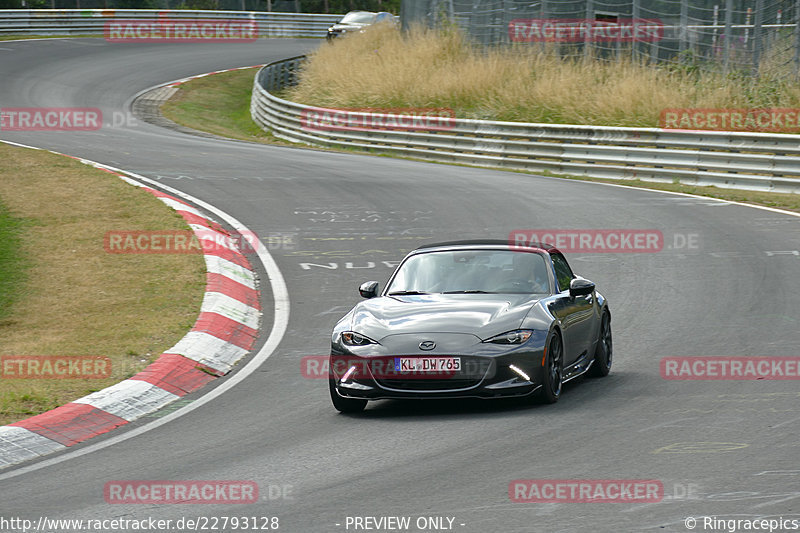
[(427, 364)]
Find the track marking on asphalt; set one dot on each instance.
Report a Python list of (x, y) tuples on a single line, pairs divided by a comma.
[(715, 201), (775, 502), (785, 423), (279, 325), (701, 447), (668, 424), (333, 310)]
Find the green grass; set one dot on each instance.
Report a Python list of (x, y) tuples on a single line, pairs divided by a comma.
[(218, 104), (13, 262), (62, 294)]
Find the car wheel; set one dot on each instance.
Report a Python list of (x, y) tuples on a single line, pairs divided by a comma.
[(345, 405), (553, 370), (604, 351)]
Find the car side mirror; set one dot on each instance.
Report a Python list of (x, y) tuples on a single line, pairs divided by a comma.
[(368, 289), (580, 287)]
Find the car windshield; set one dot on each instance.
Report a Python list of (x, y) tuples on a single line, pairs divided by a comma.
[(358, 18), (472, 271)]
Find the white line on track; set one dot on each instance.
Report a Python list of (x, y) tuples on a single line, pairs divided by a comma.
[(721, 201)]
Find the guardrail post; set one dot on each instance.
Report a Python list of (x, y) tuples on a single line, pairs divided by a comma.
[(683, 31), (587, 43), (728, 40), (635, 15), (543, 16), (797, 39), (505, 17), (757, 36)]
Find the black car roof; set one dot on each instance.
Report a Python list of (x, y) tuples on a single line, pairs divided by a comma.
[(488, 242)]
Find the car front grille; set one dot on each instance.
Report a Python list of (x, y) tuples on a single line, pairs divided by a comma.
[(472, 374), (428, 384)]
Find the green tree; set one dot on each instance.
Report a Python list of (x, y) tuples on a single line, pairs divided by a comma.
[(135, 4)]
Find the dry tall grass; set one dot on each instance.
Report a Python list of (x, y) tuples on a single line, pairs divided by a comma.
[(424, 68)]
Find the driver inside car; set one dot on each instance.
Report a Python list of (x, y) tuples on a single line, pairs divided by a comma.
[(527, 274)]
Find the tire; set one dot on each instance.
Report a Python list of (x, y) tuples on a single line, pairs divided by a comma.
[(345, 405), (553, 370), (604, 350)]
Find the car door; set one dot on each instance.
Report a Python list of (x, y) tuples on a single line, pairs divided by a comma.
[(575, 314)]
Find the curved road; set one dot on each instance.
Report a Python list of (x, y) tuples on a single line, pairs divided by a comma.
[(721, 448)]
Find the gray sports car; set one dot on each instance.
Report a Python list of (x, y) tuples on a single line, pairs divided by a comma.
[(358, 21), (485, 319)]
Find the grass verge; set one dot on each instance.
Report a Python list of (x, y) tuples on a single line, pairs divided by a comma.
[(12, 263), (218, 104), (67, 296)]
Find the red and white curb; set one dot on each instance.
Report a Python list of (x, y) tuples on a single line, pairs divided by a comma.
[(224, 333), (181, 81), (165, 91)]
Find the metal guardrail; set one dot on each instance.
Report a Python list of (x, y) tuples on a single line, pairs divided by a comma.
[(92, 21), (753, 161)]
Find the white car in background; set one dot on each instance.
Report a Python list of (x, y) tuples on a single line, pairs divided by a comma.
[(356, 21)]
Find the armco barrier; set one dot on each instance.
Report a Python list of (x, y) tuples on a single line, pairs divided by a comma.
[(92, 21), (753, 161)]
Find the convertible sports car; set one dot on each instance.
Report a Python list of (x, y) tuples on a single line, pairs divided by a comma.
[(483, 319), (358, 21)]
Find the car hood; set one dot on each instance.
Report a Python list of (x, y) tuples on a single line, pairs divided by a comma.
[(483, 315)]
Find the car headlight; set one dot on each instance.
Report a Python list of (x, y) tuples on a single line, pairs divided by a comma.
[(351, 338), (518, 336)]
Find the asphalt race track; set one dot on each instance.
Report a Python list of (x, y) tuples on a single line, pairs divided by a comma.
[(721, 448)]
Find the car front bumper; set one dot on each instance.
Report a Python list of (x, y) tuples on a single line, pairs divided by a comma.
[(519, 373)]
